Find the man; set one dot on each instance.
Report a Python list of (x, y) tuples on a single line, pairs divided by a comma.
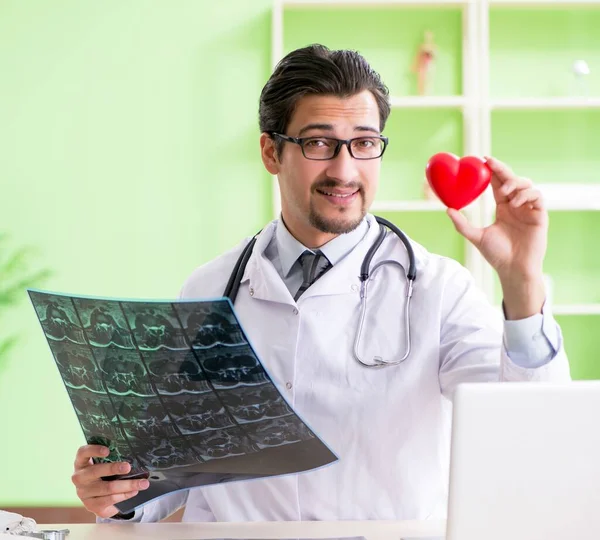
[(388, 425)]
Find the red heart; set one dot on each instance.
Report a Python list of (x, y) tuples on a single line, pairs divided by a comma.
[(457, 182)]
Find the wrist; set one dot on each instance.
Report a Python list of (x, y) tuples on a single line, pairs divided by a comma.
[(523, 296), (520, 273)]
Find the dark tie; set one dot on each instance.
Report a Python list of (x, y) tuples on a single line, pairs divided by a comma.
[(314, 265)]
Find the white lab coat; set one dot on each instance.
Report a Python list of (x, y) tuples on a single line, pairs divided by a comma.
[(390, 426)]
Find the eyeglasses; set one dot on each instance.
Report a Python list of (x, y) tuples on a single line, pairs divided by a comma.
[(324, 148)]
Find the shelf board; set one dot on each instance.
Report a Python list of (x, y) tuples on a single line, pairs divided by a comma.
[(555, 103), (374, 3), (576, 309), (407, 206), (544, 4), (425, 102), (571, 197)]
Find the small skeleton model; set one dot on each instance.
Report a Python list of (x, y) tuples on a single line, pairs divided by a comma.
[(424, 63)]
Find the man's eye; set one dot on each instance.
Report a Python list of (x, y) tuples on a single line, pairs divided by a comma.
[(365, 143), (317, 143)]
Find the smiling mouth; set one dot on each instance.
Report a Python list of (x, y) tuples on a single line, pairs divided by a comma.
[(339, 195)]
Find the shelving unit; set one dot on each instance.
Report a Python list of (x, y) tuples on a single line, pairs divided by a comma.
[(502, 95)]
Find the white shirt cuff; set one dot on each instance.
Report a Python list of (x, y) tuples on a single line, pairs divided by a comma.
[(534, 341)]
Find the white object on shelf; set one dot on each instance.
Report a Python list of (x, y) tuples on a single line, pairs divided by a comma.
[(581, 68)]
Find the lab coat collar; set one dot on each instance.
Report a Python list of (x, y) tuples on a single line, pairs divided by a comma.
[(343, 278)]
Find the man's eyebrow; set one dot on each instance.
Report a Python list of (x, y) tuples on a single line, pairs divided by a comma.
[(324, 127), (329, 127), (366, 128)]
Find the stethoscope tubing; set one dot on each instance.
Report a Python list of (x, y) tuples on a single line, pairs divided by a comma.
[(235, 279)]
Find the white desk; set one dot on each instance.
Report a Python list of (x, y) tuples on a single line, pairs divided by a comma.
[(372, 530)]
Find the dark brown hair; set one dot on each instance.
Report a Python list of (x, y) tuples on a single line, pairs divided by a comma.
[(317, 70)]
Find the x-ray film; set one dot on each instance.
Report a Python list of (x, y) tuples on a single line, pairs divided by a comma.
[(175, 389)]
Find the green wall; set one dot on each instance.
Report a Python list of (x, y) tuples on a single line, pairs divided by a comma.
[(128, 156)]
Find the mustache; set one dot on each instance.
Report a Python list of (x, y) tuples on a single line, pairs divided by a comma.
[(331, 183)]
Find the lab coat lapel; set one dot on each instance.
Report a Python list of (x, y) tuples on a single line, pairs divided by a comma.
[(264, 283)]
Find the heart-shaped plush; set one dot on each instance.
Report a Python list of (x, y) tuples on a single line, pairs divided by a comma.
[(457, 182)]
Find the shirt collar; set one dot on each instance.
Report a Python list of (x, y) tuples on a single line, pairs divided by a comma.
[(335, 250)]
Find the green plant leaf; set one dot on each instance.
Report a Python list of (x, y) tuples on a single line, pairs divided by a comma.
[(5, 346), (15, 278), (14, 264), (12, 294)]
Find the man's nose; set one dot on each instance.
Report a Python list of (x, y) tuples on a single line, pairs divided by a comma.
[(343, 166)]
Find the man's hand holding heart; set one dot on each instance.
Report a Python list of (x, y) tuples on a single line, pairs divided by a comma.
[(515, 244)]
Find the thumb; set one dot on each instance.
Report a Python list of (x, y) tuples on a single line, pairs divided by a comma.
[(462, 225)]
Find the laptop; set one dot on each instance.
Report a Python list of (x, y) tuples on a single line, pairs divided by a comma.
[(525, 462)]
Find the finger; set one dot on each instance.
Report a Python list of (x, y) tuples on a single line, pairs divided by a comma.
[(112, 487), (515, 184), (503, 192), (499, 168), (91, 474), (531, 196), (85, 453), (104, 506), (462, 225)]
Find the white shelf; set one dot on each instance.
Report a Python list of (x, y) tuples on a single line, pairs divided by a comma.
[(576, 309), (425, 102), (545, 4), (407, 206), (571, 197), (557, 103), (374, 3)]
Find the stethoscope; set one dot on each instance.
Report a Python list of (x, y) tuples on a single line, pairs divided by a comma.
[(235, 279)]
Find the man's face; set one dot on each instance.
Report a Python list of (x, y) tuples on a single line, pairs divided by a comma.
[(321, 199)]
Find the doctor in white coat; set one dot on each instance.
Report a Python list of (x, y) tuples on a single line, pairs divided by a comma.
[(389, 426)]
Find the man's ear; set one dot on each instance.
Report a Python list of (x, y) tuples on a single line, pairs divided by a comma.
[(268, 153)]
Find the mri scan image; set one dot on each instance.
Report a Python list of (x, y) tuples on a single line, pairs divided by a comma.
[(155, 326), (58, 318), (229, 367), (77, 366), (104, 323), (175, 389), (176, 372), (209, 324), (123, 371)]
